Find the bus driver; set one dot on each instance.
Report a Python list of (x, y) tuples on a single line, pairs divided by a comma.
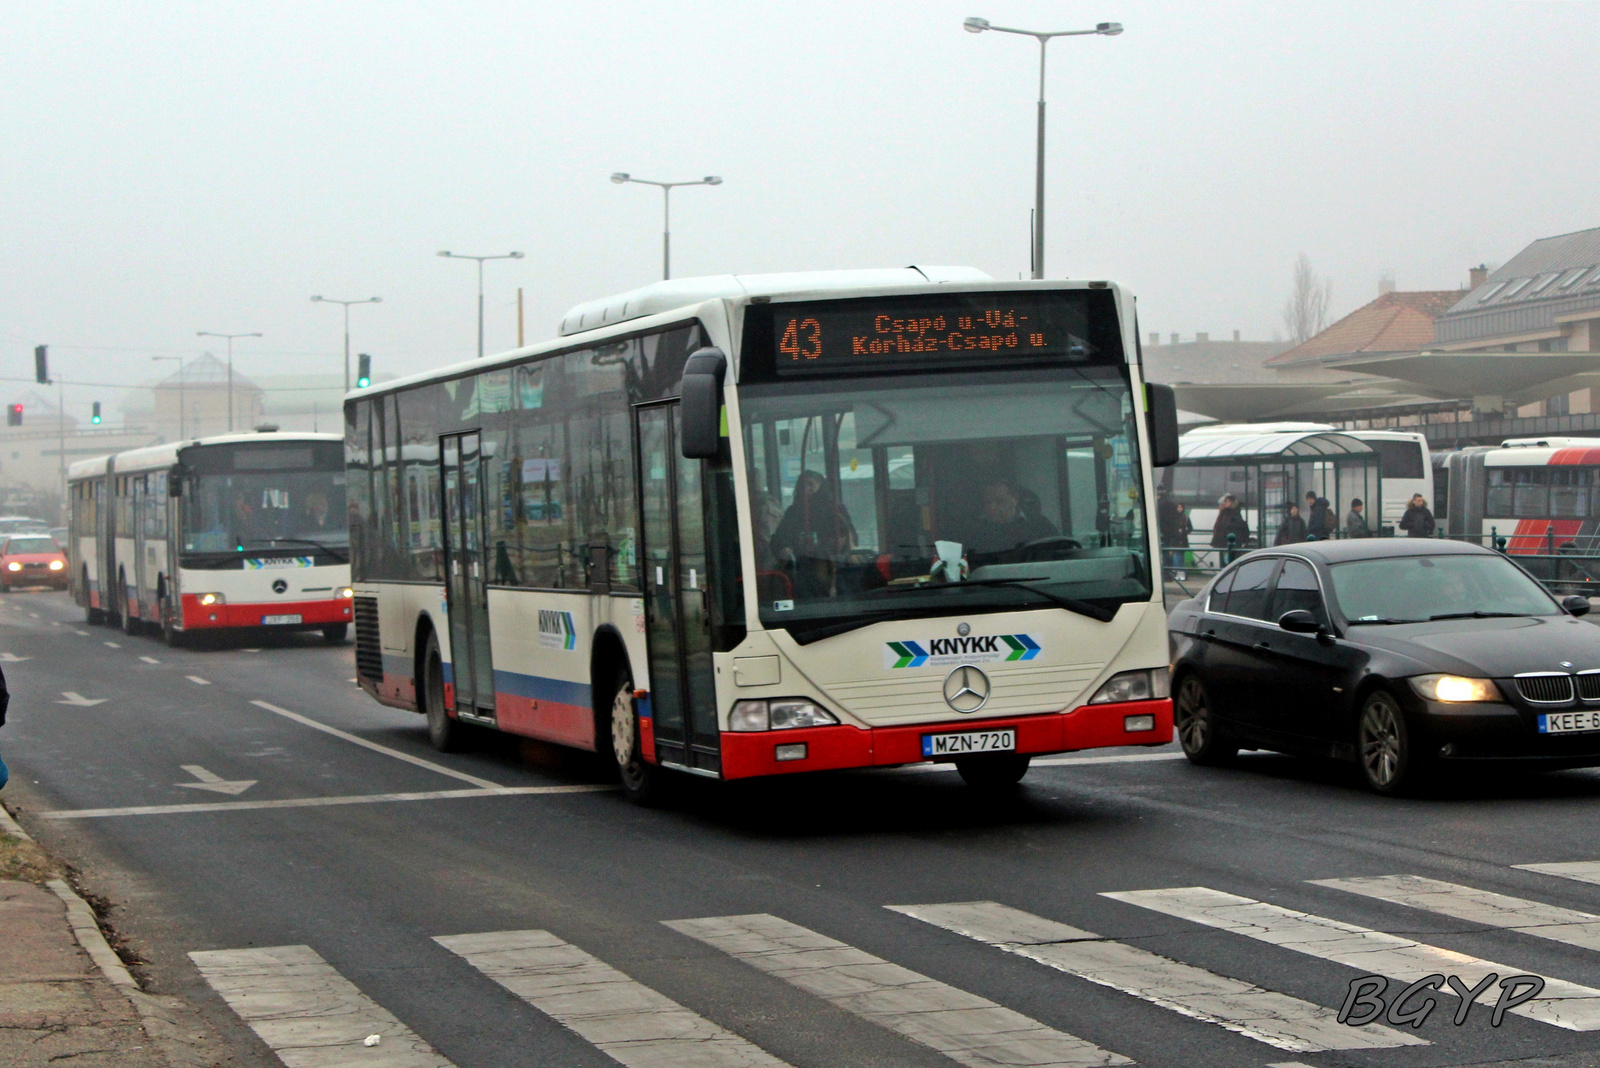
[(1004, 525)]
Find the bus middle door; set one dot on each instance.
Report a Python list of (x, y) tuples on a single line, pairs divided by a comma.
[(677, 626), (466, 583)]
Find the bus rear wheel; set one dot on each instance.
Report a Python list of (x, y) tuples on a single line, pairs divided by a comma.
[(91, 615), (995, 771), (641, 780), (445, 733), (130, 625)]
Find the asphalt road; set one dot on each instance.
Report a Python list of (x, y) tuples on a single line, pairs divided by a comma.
[(818, 969)]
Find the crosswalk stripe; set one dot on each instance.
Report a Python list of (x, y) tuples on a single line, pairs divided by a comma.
[(1563, 1004), (964, 1027), (1569, 926), (1276, 1019), (623, 1018), (309, 1014), (1584, 871)]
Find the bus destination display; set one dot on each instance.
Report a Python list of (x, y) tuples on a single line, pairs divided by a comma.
[(824, 337)]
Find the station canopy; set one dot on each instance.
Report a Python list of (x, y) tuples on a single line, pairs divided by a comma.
[(1450, 375), (1267, 448)]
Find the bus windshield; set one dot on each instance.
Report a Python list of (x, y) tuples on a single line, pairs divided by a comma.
[(888, 497), (285, 510)]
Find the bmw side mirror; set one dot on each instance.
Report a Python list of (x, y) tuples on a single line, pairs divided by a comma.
[(1576, 604), (701, 393), (1299, 621)]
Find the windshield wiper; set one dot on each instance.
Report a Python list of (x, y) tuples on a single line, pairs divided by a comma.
[(1385, 620), (324, 546), (1478, 614), (1072, 604)]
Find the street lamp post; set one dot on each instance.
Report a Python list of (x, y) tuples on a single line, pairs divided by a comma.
[(346, 303), (230, 337), (183, 422), (622, 177), (1104, 29), (480, 259)]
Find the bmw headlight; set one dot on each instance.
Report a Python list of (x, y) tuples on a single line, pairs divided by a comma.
[(779, 714), (1453, 689), (1148, 685)]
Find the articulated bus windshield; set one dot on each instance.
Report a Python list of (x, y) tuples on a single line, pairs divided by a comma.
[(284, 497), (947, 491)]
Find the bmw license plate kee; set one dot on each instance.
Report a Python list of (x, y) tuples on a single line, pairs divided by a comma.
[(1570, 722), (941, 745)]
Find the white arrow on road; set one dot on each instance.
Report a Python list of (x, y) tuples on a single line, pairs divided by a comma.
[(13, 658), (210, 780), (81, 701)]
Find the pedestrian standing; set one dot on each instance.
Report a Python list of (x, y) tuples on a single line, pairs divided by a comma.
[(1293, 530), (1319, 517), (1169, 525), (1229, 522), (1418, 520), (1355, 523)]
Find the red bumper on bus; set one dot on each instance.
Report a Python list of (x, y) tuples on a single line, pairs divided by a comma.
[(745, 755), (281, 613)]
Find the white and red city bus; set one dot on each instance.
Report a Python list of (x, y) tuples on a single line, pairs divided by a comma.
[(741, 526), (238, 532), (1542, 495)]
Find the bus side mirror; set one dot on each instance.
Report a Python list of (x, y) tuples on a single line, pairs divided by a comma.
[(175, 479), (701, 404), (1161, 415)]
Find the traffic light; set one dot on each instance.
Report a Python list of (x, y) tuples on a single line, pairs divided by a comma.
[(14, 415), (41, 365), (94, 416), (363, 370)]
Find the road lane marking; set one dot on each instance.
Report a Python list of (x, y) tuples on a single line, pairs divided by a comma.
[(375, 747), (1276, 1019), (1568, 926), (620, 1016), (72, 697), (13, 658), (210, 780), (964, 1027), (309, 1014), (111, 645), (33, 615), (1584, 871), (320, 802), (84, 633), (1563, 1004), (149, 660), (197, 680)]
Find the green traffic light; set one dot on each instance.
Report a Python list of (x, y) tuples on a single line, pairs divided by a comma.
[(363, 382)]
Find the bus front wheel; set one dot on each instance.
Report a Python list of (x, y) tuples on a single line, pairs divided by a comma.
[(640, 780), (445, 733), (997, 771)]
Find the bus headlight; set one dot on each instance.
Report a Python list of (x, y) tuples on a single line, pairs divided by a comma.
[(779, 714), (212, 598), (346, 593), (1453, 689), (1148, 685), (57, 565), (13, 566)]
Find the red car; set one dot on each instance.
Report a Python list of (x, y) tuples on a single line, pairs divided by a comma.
[(31, 560)]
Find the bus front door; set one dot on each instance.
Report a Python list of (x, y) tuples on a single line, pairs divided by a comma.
[(683, 702), (465, 577)]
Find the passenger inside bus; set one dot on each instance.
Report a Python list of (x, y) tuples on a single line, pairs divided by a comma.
[(813, 533)]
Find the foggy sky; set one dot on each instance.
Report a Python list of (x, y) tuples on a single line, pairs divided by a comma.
[(173, 167)]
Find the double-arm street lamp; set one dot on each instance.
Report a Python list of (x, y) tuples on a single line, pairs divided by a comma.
[(346, 303), (1104, 29), (230, 337), (622, 177), (480, 259)]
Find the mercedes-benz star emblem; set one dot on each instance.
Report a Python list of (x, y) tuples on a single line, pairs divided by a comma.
[(966, 689), (279, 586)]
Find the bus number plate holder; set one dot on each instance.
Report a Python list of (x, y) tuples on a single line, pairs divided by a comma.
[(945, 745), (267, 621)]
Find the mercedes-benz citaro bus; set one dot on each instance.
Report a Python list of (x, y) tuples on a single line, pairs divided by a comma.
[(239, 533), (743, 526)]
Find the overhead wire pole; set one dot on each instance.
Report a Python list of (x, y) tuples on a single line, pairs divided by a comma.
[(622, 177), (230, 337), (346, 303), (480, 259), (1104, 29)]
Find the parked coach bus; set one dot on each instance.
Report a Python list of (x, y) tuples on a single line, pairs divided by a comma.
[(243, 532), (739, 526)]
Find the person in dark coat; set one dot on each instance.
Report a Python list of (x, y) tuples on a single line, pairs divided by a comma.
[(1319, 517), (1418, 520), (1293, 530), (1355, 524), (1229, 521), (813, 534)]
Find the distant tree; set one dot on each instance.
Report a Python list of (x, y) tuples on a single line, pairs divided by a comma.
[(1306, 312)]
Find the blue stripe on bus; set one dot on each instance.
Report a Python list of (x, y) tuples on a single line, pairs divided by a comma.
[(540, 688)]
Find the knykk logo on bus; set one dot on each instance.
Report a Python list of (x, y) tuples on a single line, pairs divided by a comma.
[(976, 649), (556, 630)]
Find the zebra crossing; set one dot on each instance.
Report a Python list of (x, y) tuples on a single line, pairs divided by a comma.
[(311, 1016)]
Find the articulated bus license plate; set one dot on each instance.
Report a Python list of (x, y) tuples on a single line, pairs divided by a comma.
[(267, 621), (1569, 722), (938, 745)]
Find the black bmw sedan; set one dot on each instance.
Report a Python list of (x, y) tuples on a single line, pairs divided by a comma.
[(1401, 654)]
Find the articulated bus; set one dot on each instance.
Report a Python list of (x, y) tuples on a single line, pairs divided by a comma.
[(742, 526), (240, 533), (1541, 494)]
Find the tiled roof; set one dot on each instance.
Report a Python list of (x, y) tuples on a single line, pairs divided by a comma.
[(1395, 322), (1552, 268)]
